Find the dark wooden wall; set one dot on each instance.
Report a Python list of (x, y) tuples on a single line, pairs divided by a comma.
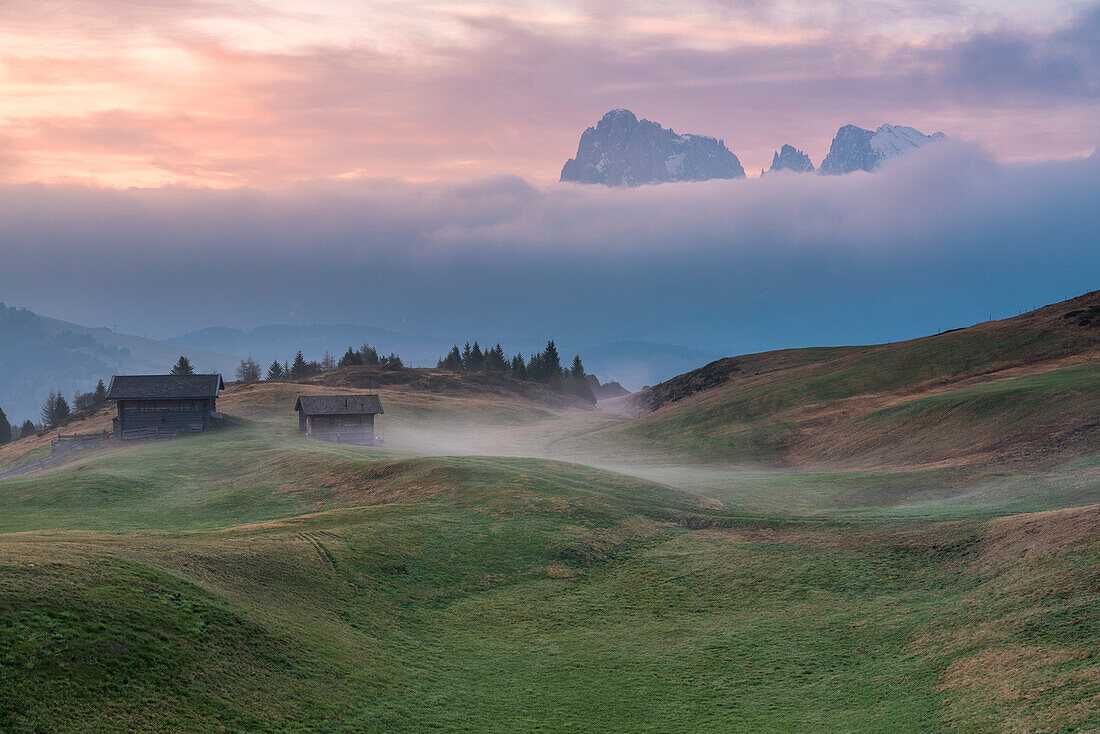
[(165, 416), (352, 429)]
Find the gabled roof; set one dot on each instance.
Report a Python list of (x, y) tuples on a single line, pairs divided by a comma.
[(338, 404), (164, 387)]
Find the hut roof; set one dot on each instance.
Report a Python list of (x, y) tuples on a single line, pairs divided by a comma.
[(164, 387), (338, 404)]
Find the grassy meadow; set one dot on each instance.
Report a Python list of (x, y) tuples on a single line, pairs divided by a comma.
[(467, 578)]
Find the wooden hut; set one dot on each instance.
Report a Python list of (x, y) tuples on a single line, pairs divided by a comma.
[(339, 418), (158, 406)]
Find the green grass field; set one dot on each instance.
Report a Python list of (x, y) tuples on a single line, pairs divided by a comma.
[(250, 579), (261, 582)]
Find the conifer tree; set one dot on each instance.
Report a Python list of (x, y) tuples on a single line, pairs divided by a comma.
[(27, 428), (275, 372), (467, 357), (550, 360), (477, 359), (577, 371), (183, 367), (369, 355), (99, 397), (556, 382), (453, 360), (328, 362), (299, 369), (494, 360), (61, 410), (577, 382), (5, 428), (55, 411), (534, 368), (351, 358), (519, 368), (49, 410)]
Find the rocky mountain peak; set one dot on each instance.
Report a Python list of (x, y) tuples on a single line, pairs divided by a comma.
[(857, 149), (622, 150), (789, 158)]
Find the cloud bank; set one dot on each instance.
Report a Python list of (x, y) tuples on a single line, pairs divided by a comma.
[(941, 238)]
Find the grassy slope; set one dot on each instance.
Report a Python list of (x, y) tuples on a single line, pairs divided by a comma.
[(1025, 390), (504, 594), (251, 580)]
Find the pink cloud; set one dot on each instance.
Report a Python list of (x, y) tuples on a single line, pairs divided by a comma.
[(151, 95)]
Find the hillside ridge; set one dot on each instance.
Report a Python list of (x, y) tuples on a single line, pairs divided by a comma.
[(1085, 345)]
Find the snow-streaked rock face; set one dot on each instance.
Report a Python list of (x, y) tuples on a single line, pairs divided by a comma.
[(625, 151), (856, 149), (789, 158)]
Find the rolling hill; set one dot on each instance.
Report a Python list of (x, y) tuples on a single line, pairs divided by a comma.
[(1024, 390), (464, 579)]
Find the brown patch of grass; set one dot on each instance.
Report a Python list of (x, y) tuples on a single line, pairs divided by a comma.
[(1016, 537), (98, 421), (1021, 688)]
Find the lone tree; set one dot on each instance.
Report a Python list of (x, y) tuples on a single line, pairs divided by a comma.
[(5, 428), (299, 369), (99, 397), (27, 428), (248, 370), (183, 367), (275, 372)]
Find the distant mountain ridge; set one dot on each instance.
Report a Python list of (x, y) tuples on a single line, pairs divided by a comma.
[(622, 150), (39, 354)]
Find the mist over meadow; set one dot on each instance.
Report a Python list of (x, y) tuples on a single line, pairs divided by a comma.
[(942, 238)]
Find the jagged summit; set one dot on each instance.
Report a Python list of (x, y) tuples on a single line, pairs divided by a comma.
[(622, 150), (789, 158), (857, 149)]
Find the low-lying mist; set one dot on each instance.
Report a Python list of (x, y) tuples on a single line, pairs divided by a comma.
[(941, 238)]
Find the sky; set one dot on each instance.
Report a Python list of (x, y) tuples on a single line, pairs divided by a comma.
[(168, 166), (266, 93)]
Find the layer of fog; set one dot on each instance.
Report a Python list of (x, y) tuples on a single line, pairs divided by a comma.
[(942, 238)]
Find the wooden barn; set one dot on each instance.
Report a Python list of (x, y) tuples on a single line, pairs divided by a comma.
[(159, 406), (339, 418)]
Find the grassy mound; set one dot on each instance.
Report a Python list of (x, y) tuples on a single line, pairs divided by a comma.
[(1022, 390)]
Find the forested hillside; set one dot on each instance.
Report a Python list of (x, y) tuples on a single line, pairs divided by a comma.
[(40, 354)]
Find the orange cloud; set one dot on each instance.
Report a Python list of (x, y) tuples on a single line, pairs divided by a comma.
[(227, 94)]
